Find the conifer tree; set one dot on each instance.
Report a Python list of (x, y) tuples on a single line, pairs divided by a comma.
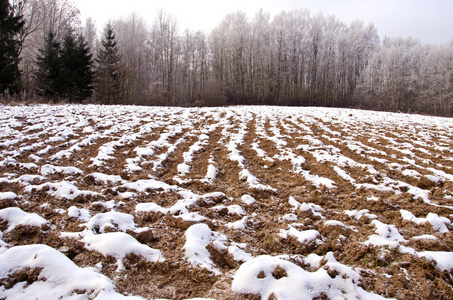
[(65, 72), (49, 73), (10, 26), (77, 68), (69, 62), (85, 72), (107, 88)]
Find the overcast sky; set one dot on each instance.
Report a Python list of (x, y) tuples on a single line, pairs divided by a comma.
[(430, 21)]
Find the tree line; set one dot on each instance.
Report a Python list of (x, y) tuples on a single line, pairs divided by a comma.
[(294, 58)]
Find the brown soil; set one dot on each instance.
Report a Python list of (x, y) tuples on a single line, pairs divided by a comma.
[(383, 270)]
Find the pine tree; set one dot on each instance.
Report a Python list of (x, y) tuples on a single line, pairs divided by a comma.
[(107, 87), (10, 26), (49, 73)]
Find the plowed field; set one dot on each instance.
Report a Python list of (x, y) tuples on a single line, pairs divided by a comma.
[(224, 203)]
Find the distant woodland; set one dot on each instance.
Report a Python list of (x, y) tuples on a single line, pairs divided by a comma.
[(296, 58)]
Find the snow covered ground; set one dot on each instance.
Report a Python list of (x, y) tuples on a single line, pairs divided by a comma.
[(113, 202)]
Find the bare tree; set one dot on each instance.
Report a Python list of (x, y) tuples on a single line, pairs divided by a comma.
[(90, 34), (132, 35), (165, 47)]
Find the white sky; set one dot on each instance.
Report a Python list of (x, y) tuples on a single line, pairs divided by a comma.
[(431, 21)]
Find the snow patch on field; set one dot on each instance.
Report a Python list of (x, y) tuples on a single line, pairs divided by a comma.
[(111, 220), (247, 199), (198, 237), (238, 225), (61, 190), (259, 276), (304, 236), (7, 196), (50, 170), (443, 260), (357, 214), (15, 216), (439, 223), (59, 277), (119, 245), (81, 214), (387, 235)]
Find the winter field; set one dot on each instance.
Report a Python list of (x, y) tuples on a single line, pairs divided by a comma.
[(113, 202)]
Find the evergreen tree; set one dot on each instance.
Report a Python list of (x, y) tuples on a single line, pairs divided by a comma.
[(65, 72), (69, 63), (10, 26), (86, 75), (107, 87), (49, 74), (77, 68)]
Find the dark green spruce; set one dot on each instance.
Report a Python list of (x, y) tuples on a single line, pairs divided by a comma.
[(77, 72), (49, 74), (11, 25), (65, 72), (107, 84)]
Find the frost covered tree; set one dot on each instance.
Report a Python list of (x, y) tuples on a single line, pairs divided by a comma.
[(166, 49), (230, 44), (260, 41), (132, 35), (90, 34), (11, 25), (359, 44), (404, 75), (192, 69), (108, 60), (437, 80)]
